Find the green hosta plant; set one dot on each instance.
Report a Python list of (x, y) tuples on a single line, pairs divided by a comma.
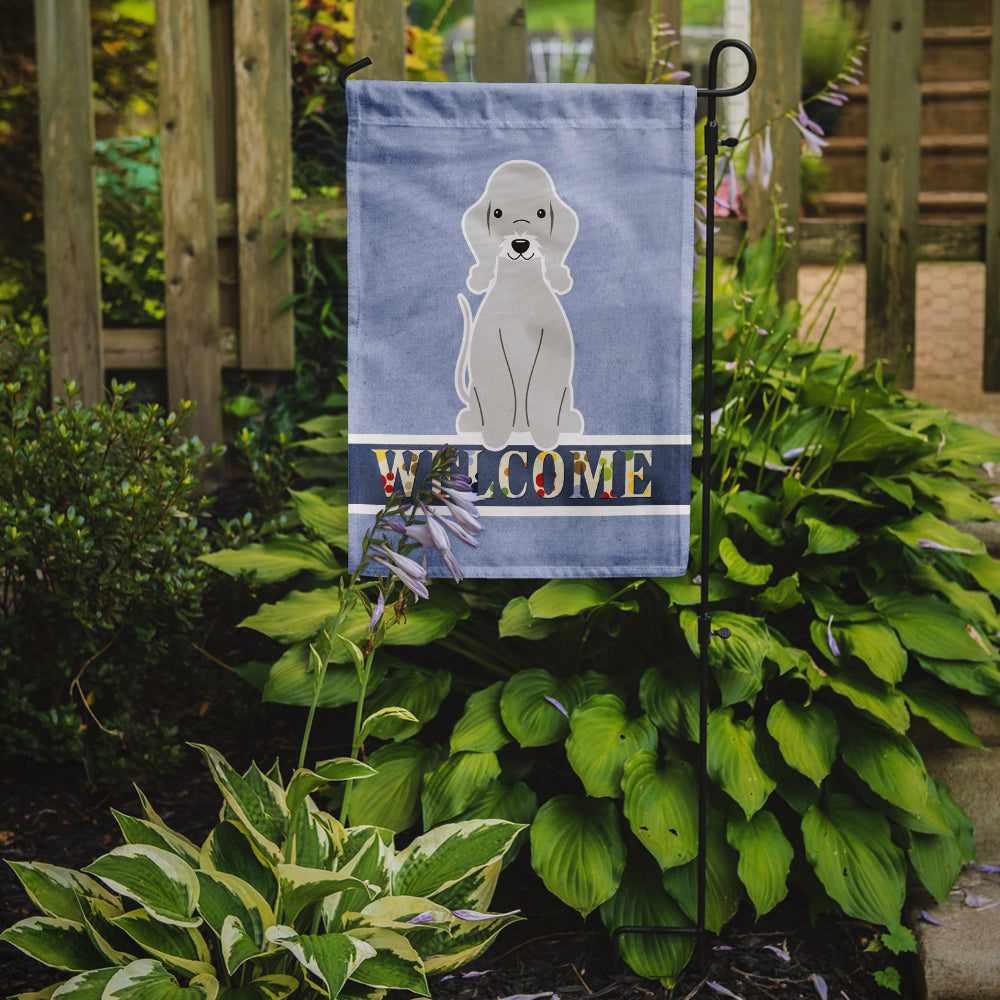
[(280, 899)]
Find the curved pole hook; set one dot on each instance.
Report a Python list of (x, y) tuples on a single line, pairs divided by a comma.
[(353, 68), (713, 69)]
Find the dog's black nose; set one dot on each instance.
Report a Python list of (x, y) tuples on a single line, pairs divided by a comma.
[(519, 246)]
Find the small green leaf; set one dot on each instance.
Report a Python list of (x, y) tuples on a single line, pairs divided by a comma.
[(530, 706), (456, 784), (930, 627), (279, 558), (559, 598), (327, 520), (391, 798), (888, 763), (481, 727), (765, 858), (807, 736), (739, 569), (732, 760), (517, 620)]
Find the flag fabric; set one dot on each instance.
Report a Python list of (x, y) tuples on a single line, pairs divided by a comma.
[(520, 261)]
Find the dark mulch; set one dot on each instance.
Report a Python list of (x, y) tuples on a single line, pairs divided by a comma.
[(551, 951)]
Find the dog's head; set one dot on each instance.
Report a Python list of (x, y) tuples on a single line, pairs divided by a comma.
[(519, 216)]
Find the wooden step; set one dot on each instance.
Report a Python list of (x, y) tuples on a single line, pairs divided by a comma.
[(957, 206), (956, 53), (947, 162)]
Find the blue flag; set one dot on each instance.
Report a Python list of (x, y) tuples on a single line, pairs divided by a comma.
[(520, 261)]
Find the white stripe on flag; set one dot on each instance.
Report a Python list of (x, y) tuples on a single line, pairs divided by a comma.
[(668, 510), (566, 441)]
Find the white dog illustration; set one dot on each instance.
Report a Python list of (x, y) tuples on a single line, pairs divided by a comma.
[(515, 366)]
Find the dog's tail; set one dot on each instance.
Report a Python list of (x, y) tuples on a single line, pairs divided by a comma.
[(462, 365)]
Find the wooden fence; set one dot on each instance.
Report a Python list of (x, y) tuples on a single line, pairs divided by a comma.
[(226, 161)]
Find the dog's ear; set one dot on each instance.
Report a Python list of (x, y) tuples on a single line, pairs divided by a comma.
[(565, 224), (476, 227)]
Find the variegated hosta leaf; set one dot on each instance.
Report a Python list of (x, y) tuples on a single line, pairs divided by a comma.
[(395, 964), (329, 959), (98, 915), (850, 847), (304, 782), (466, 941), (602, 737), (391, 799), (230, 849), (149, 980), (158, 880), (274, 987), (578, 851), (765, 858), (315, 838), (256, 801), (661, 799), (456, 784), (86, 986), (54, 941), (481, 727), (300, 887), (141, 831), (476, 890), (367, 853), (888, 763), (56, 891), (225, 897), (441, 857), (807, 736), (723, 889), (732, 760), (535, 706), (642, 902), (177, 947)]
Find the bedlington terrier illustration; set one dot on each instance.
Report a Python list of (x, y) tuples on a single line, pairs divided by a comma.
[(515, 366)]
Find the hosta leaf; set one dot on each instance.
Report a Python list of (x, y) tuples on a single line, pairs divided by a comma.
[(517, 620), (976, 678), (230, 849), (765, 858), (850, 848), (481, 728), (98, 916), (976, 605), (578, 851), (888, 763), (870, 435), (292, 681), (395, 964), (263, 813), (937, 860), (415, 689), (528, 710), (807, 736), (738, 661), (465, 941), (671, 699), (516, 803), (739, 569), (684, 592), (956, 500), (986, 571), (876, 646), (225, 897), (661, 799), (758, 511), (732, 760), (456, 784), (391, 798), (141, 831), (159, 881), (301, 887), (641, 901), (147, 979), (723, 889), (328, 520), (304, 782), (932, 628), (87, 986), (274, 987), (366, 855), (941, 709), (280, 557), (180, 948), (330, 959), (928, 528), (783, 595), (602, 738), (54, 941), (965, 443), (558, 598), (441, 857), (866, 692), (827, 539), (56, 891)]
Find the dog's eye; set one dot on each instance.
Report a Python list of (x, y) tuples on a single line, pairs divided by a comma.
[(541, 213), (497, 213)]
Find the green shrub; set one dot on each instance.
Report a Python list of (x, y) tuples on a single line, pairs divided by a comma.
[(99, 540), (854, 604), (280, 899)]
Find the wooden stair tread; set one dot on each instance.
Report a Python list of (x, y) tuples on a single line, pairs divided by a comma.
[(846, 145), (929, 199), (958, 33), (938, 89)]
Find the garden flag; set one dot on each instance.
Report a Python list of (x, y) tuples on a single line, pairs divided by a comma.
[(520, 262)]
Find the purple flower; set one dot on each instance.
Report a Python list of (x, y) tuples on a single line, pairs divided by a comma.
[(427, 917), (377, 611), (411, 574), (927, 543), (834, 648), (820, 983), (475, 915), (811, 132), (780, 952), (469, 522), (761, 163), (558, 705), (719, 988)]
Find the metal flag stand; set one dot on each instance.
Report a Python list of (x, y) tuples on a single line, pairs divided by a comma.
[(705, 630)]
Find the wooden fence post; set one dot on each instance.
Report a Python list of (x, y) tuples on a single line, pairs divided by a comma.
[(72, 256), (190, 252), (991, 332), (622, 40), (501, 41), (262, 61), (893, 183), (380, 34), (776, 35)]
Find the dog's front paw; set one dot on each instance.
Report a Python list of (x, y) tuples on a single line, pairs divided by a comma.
[(479, 278), (559, 279)]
